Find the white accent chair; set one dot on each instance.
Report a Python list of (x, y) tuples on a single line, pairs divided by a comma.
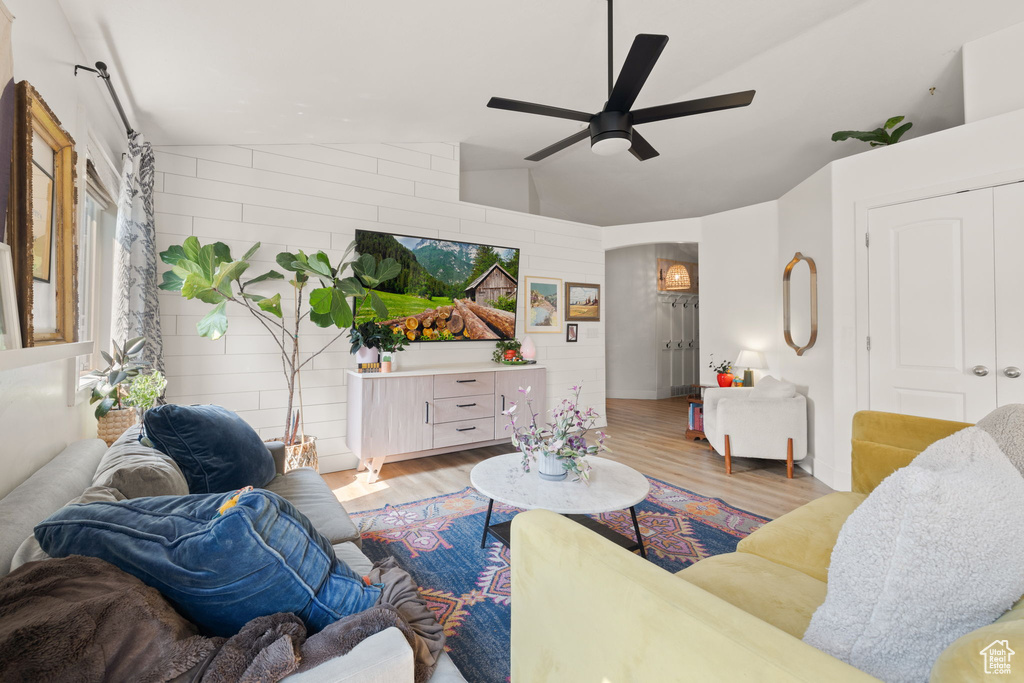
[(768, 421)]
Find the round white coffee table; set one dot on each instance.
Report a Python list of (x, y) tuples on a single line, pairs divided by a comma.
[(613, 486)]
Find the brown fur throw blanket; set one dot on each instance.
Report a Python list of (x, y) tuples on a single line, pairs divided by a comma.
[(82, 619)]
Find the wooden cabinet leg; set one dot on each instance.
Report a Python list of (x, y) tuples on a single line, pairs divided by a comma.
[(374, 468), (789, 459), (728, 456)]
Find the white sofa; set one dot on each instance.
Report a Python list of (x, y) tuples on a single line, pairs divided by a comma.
[(382, 658), (768, 423)]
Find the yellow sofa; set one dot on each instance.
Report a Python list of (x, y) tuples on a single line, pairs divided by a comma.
[(583, 609)]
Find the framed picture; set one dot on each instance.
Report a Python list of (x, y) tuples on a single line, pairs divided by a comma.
[(584, 301), (544, 304), (572, 332), (10, 326), (41, 223)]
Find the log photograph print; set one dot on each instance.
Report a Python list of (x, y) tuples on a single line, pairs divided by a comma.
[(447, 291)]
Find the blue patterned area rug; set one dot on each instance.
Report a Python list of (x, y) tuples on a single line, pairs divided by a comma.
[(437, 540)]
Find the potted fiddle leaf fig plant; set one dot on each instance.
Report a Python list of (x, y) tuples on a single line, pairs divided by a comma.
[(113, 416), (321, 293)]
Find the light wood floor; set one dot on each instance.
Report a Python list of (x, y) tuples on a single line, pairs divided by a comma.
[(646, 435)]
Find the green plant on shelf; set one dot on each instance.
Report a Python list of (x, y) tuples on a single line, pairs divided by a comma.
[(145, 390), (879, 137)]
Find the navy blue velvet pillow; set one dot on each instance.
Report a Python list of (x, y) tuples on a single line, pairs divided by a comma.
[(259, 557), (216, 450)]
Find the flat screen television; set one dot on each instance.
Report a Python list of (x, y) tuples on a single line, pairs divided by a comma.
[(447, 290)]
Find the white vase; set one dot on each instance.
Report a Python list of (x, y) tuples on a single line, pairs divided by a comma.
[(365, 355), (550, 467)]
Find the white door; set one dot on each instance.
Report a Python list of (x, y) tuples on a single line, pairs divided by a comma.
[(1009, 261), (932, 307)]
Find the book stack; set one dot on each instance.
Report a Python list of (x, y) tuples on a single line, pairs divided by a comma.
[(368, 367), (696, 417)]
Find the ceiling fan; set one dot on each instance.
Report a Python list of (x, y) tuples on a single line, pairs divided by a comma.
[(611, 130)]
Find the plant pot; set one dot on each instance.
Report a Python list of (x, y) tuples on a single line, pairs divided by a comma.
[(550, 467), (385, 366), (725, 379), (111, 426), (365, 355), (301, 454)]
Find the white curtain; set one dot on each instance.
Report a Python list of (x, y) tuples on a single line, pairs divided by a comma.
[(137, 309)]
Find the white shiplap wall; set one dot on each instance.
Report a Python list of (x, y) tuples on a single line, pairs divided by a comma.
[(312, 197)]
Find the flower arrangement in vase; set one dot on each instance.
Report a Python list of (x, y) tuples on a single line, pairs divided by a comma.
[(560, 446), (724, 370)]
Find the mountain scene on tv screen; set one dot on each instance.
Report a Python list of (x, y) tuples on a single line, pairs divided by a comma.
[(446, 291)]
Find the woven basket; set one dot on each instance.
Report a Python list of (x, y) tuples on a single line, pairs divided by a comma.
[(111, 426), (300, 455)]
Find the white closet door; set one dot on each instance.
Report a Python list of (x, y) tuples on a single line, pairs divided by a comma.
[(932, 307), (1009, 263)]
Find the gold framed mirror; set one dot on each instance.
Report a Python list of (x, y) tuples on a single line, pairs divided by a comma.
[(41, 222), (809, 296)]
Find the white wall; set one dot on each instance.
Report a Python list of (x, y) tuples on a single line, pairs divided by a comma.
[(35, 421), (740, 289), (630, 300), (511, 189), (805, 213), (991, 74), (314, 197)]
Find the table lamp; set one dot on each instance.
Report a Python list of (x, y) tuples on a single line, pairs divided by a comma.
[(750, 360)]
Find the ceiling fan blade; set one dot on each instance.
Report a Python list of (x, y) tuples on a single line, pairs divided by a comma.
[(691, 107), (541, 109), (560, 145), (638, 65), (642, 149)]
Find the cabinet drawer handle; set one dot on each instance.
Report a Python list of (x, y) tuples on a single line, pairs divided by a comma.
[(464, 381), (464, 405), (427, 419), (503, 403), (466, 429)]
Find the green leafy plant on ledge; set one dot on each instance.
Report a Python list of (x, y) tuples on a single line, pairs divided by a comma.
[(210, 274), (145, 390), (879, 137), (123, 365)]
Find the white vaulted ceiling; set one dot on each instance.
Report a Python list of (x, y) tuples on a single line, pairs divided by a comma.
[(265, 71)]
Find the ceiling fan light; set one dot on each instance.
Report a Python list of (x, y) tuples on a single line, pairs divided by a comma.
[(611, 143)]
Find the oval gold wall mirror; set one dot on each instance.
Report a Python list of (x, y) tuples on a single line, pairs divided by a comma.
[(804, 323)]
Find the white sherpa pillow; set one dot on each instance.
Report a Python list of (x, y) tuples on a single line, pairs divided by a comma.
[(933, 553), (1006, 426), (769, 387)]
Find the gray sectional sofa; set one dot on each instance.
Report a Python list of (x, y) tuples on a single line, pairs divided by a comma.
[(384, 657)]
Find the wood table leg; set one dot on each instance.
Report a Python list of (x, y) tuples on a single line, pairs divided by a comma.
[(487, 523), (789, 459), (636, 528), (728, 456)]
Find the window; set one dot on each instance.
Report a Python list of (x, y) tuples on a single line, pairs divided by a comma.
[(95, 267)]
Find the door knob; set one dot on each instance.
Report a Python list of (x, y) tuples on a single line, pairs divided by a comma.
[(980, 370), (1012, 372)]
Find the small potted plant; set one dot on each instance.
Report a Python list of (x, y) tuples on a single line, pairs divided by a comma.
[(724, 370), (391, 342), (144, 391), (561, 446), (366, 340), (507, 350), (113, 417)]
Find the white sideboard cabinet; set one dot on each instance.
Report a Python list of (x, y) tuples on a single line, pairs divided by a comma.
[(417, 413)]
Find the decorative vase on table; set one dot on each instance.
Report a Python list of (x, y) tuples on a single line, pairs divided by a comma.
[(550, 467), (725, 379)]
